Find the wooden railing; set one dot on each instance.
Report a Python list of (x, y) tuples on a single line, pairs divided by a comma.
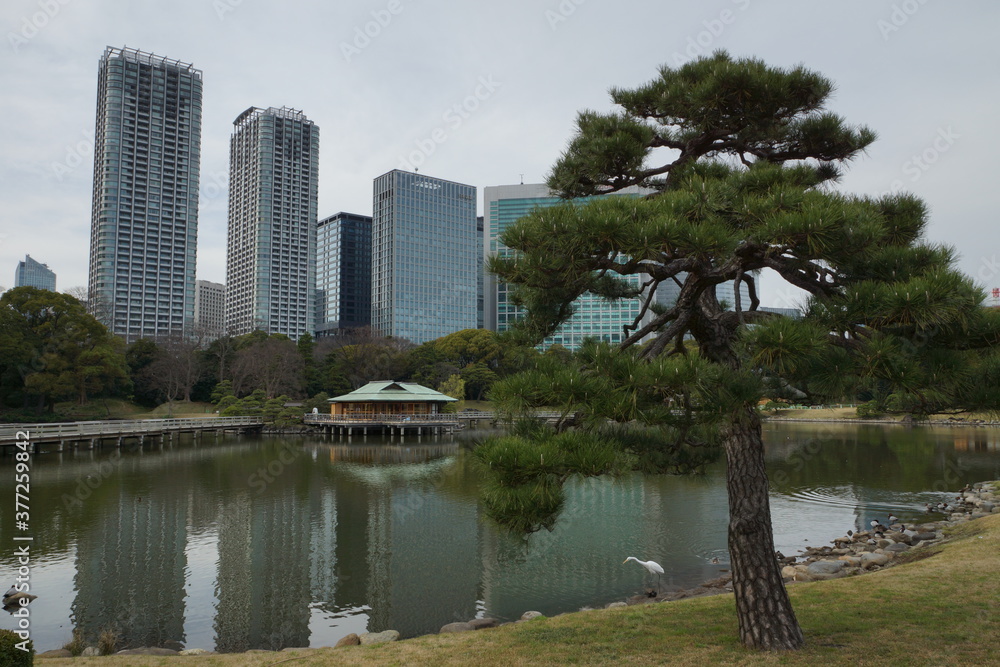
[(440, 418), (402, 420), (123, 428)]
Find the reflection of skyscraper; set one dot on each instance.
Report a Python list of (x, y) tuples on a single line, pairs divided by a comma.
[(233, 584), (420, 563), (144, 221), (131, 570), (263, 581), (323, 571)]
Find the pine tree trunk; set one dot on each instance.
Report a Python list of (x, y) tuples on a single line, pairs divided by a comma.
[(766, 618)]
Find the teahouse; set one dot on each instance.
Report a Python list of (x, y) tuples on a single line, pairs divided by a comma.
[(390, 405)]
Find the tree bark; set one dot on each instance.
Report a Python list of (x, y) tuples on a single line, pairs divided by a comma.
[(766, 618)]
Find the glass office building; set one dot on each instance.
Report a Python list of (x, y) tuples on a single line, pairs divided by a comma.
[(594, 317), (424, 256), (144, 218), (271, 246), (31, 273), (343, 273)]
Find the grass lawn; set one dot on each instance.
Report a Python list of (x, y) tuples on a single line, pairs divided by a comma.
[(937, 610), (851, 413), (182, 409), (825, 413), (100, 408)]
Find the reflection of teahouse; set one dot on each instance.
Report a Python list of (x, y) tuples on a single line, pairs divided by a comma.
[(392, 406)]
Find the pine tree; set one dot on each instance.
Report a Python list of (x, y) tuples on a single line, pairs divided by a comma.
[(742, 159)]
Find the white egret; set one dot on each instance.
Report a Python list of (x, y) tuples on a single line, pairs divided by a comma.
[(651, 566)]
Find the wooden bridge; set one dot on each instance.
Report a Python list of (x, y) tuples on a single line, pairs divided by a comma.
[(93, 433)]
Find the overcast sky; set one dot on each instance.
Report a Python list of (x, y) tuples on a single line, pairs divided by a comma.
[(483, 93)]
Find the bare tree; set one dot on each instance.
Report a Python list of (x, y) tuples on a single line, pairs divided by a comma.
[(176, 368), (97, 304), (273, 365)]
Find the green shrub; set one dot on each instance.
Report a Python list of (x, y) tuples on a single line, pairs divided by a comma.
[(869, 410), (11, 655), (77, 643)]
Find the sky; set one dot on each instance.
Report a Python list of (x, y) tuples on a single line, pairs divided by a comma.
[(487, 94)]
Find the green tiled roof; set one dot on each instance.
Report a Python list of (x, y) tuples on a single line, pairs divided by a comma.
[(385, 391)]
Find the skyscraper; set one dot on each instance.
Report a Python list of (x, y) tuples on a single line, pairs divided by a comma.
[(480, 273), (144, 218), (594, 317), (30, 273), (271, 251), (343, 273), (424, 256), (209, 309)]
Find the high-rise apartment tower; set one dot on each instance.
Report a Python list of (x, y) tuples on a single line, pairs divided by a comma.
[(144, 218), (209, 309), (271, 251)]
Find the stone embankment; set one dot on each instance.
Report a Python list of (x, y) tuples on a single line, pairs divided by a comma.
[(879, 547), (856, 553)]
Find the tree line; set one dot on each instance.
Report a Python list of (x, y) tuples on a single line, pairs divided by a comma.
[(52, 350)]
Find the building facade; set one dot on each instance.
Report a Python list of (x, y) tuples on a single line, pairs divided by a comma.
[(144, 217), (343, 273), (480, 273), (271, 246), (31, 273), (594, 317), (210, 308), (424, 256)]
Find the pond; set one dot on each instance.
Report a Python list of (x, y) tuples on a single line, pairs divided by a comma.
[(241, 543)]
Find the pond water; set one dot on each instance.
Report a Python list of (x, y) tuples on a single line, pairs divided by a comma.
[(241, 543)]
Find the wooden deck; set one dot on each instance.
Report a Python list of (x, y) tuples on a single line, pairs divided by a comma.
[(391, 424)]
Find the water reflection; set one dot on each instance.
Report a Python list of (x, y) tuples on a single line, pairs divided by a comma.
[(239, 544)]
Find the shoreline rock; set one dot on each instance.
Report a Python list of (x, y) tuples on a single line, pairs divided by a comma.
[(856, 552)]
